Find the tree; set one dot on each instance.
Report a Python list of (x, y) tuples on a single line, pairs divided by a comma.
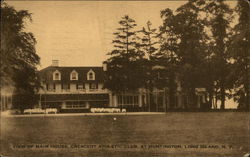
[(220, 18), (240, 52), (148, 42), (184, 46), (167, 53), (18, 56), (125, 72)]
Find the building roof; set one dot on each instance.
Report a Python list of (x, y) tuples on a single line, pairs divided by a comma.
[(46, 74)]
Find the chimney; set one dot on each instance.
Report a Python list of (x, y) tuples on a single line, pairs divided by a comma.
[(104, 66), (55, 63)]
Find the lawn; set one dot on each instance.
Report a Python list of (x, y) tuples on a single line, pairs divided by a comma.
[(172, 135)]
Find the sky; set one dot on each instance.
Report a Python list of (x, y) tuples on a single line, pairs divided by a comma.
[(80, 33)]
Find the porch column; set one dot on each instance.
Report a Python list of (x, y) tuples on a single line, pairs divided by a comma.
[(4, 103), (111, 100), (198, 101), (140, 100), (164, 100), (114, 99)]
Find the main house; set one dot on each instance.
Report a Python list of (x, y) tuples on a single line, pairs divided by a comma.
[(77, 89), (72, 88)]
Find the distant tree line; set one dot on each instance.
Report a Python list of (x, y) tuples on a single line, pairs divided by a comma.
[(203, 43)]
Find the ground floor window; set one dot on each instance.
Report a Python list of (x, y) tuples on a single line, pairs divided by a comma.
[(51, 104), (6, 102), (96, 104), (128, 100), (80, 86), (93, 86), (51, 86), (66, 86), (76, 104)]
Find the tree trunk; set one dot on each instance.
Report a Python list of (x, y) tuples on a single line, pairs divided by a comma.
[(171, 92), (222, 92), (210, 101), (192, 98), (246, 85), (247, 101)]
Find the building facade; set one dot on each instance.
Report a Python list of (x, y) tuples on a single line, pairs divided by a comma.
[(77, 89), (72, 88), (6, 94)]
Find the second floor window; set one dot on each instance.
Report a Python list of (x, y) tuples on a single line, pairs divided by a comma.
[(91, 75), (74, 76), (56, 75), (65, 86), (93, 86), (51, 87), (80, 86)]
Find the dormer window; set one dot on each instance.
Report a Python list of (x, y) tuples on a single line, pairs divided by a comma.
[(56, 75), (74, 75), (91, 75)]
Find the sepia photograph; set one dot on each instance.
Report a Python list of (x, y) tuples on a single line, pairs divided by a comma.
[(128, 78)]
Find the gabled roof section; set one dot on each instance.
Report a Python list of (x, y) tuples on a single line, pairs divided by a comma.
[(90, 70), (74, 71), (46, 74)]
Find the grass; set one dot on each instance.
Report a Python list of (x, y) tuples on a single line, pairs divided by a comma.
[(185, 128)]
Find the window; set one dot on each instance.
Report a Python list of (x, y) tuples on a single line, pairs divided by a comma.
[(128, 99), (66, 87), (56, 75), (75, 104), (51, 87), (91, 75), (74, 75), (93, 86), (80, 86)]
